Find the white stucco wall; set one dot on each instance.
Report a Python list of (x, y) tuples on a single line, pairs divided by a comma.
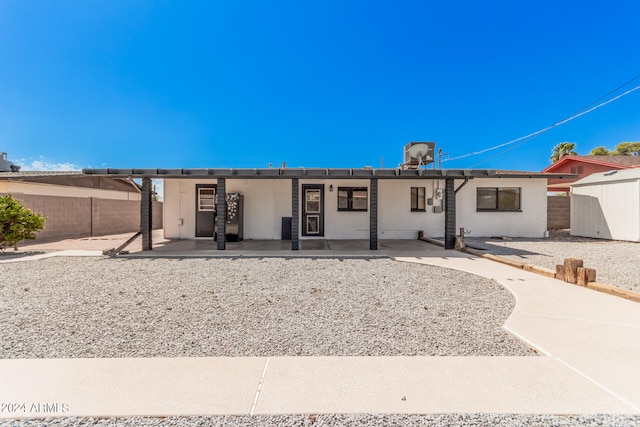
[(339, 225), (267, 201), (395, 219), (64, 190), (607, 210), (531, 222)]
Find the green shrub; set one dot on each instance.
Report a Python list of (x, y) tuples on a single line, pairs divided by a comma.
[(17, 222)]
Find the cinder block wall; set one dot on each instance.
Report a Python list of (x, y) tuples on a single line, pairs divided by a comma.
[(115, 216), (69, 217), (158, 221), (66, 216), (558, 212)]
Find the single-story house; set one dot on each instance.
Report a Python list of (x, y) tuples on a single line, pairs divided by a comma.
[(583, 166), (607, 205), (331, 203)]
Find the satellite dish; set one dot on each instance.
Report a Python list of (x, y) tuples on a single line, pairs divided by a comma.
[(419, 153)]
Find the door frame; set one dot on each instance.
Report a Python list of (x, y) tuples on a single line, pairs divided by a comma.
[(197, 211), (305, 214)]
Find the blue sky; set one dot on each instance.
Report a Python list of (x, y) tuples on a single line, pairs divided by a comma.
[(316, 84)]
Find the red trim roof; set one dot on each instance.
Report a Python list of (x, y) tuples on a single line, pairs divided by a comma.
[(615, 161)]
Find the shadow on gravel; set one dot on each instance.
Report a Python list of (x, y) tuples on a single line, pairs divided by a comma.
[(161, 256), (498, 246), (5, 255), (515, 246)]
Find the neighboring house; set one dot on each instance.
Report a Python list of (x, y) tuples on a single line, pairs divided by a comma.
[(68, 184), (77, 205), (345, 203), (607, 205), (584, 166)]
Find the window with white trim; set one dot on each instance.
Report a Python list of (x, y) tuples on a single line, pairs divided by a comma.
[(206, 199)]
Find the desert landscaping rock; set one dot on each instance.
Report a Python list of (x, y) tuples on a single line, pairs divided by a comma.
[(354, 420), (83, 307), (100, 307), (615, 262)]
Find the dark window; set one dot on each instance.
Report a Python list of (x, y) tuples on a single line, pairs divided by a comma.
[(498, 199), (580, 170), (352, 199), (573, 170), (418, 199)]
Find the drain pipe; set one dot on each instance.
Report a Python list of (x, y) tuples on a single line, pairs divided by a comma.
[(466, 179)]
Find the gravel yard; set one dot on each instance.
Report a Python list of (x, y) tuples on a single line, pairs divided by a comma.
[(617, 263), (88, 307), (445, 420), (84, 307)]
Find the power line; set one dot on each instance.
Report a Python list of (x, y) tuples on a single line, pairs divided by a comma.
[(589, 108), (559, 123)]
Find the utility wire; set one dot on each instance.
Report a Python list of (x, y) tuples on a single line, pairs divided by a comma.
[(589, 108), (502, 152), (612, 92), (563, 121)]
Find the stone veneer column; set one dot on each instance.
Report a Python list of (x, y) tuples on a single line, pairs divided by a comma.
[(221, 213), (373, 215), (450, 214), (295, 214), (146, 214)]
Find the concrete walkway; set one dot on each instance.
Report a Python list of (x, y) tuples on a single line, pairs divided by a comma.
[(590, 342)]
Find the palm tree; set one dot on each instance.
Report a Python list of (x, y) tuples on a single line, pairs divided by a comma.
[(561, 150)]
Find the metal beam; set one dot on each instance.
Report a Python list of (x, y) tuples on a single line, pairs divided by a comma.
[(257, 173)]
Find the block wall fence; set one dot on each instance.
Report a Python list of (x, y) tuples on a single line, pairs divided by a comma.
[(69, 217), (558, 212)]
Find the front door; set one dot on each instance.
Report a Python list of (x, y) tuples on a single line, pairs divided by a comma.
[(313, 209), (205, 209)]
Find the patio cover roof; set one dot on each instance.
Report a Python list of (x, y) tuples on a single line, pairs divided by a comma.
[(317, 173)]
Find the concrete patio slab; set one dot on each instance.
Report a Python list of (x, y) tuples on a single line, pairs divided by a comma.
[(92, 243), (129, 387), (316, 248)]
